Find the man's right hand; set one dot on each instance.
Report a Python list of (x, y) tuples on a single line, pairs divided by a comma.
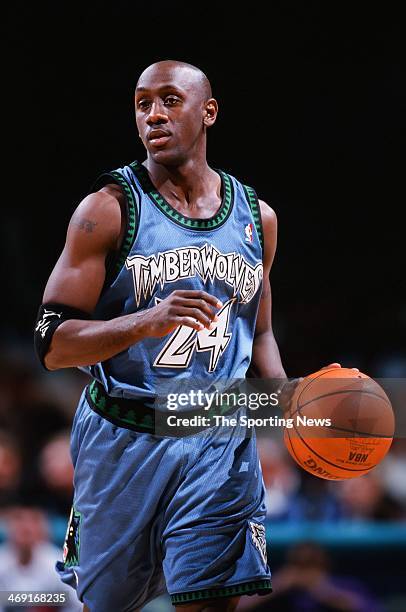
[(192, 308)]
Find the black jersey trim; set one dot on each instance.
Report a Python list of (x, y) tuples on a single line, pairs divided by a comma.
[(187, 222), (253, 203), (132, 221), (115, 260), (262, 587)]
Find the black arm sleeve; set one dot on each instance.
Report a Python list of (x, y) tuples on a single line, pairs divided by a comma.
[(50, 316)]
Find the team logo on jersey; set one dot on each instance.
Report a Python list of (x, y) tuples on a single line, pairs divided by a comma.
[(188, 262), (259, 539), (71, 546), (248, 233)]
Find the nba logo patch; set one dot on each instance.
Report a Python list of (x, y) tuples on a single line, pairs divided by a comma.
[(248, 233)]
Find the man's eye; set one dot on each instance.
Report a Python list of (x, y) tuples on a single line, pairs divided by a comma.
[(171, 100), (143, 104)]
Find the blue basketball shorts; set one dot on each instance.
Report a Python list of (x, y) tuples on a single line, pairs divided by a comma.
[(154, 514)]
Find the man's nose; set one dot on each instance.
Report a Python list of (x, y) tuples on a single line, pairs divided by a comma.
[(157, 114)]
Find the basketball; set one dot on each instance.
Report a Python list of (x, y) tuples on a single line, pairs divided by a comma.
[(342, 424)]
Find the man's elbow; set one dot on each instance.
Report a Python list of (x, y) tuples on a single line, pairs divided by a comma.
[(264, 332), (51, 361)]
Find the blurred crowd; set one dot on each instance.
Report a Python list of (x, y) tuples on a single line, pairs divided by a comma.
[(36, 473), (36, 412), (294, 495)]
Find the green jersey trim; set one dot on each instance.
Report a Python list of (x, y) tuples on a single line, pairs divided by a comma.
[(115, 259), (128, 414), (132, 221), (135, 415), (169, 211), (261, 587)]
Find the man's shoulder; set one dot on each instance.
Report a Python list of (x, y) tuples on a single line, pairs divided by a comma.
[(95, 225), (113, 191), (267, 212), (118, 179), (102, 202)]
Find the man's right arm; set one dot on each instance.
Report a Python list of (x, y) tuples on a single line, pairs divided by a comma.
[(77, 280)]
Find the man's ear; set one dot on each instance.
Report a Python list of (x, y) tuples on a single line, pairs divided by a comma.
[(210, 112)]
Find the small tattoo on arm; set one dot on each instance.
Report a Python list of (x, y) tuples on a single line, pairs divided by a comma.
[(86, 224)]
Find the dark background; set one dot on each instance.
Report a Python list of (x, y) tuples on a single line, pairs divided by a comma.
[(312, 102)]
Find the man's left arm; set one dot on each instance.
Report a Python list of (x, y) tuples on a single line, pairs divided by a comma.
[(266, 360)]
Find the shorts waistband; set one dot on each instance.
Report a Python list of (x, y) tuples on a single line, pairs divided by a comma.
[(135, 415), (128, 413)]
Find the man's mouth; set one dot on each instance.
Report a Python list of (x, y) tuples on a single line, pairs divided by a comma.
[(158, 137)]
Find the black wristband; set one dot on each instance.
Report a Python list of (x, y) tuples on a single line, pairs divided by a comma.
[(50, 316)]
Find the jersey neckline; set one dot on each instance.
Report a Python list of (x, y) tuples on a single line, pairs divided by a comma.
[(169, 211)]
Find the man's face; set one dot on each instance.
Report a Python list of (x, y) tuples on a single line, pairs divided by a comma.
[(170, 110), (26, 527)]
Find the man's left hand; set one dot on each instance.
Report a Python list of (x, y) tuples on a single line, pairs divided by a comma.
[(287, 389)]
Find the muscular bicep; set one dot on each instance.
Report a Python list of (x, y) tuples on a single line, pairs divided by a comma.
[(76, 282), (79, 274)]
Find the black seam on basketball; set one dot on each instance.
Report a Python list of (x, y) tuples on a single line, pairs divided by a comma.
[(360, 433), (298, 459), (299, 407), (300, 462), (311, 380), (370, 435), (330, 462)]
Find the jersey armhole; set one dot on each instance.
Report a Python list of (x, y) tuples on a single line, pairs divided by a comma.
[(253, 203), (115, 259)]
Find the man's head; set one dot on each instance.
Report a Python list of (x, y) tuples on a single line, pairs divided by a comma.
[(27, 526), (173, 109)]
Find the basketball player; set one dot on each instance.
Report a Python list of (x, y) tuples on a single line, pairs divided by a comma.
[(161, 276)]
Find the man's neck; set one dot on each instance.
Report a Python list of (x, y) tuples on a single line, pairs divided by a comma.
[(187, 186)]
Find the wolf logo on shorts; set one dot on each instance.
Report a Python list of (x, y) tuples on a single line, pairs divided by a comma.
[(71, 546)]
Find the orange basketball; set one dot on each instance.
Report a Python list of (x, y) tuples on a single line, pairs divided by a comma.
[(341, 424)]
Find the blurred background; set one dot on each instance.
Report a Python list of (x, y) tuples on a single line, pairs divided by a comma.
[(312, 115)]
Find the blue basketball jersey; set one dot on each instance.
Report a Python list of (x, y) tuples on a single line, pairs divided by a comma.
[(163, 251)]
